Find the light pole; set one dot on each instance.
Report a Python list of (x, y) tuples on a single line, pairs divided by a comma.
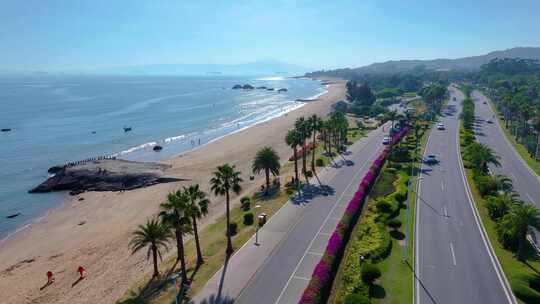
[(258, 225), (173, 280)]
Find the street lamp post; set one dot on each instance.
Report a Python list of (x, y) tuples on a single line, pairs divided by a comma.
[(258, 226)]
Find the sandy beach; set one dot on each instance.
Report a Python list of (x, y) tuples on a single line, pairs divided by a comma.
[(95, 232)]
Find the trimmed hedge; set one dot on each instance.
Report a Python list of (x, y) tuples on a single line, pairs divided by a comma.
[(323, 275)]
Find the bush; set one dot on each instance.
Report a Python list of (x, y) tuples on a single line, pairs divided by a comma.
[(245, 203), (354, 298), (370, 273), (309, 173), (394, 223), (384, 206), (249, 218), (485, 183), (401, 196), (319, 162), (525, 293), (233, 228)]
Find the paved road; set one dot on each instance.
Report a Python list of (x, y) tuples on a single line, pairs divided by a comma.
[(525, 181), (291, 243), (453, 264)]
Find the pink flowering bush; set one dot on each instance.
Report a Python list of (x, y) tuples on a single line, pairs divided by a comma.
[(322, 275)]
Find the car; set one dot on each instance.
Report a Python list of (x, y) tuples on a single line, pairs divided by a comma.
[(484, 102), (489, 121), (431, 159), (386, 140), (440, 126)]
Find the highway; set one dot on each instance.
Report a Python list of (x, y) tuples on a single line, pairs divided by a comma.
[(525, 181), (292, 242), (452, 261)]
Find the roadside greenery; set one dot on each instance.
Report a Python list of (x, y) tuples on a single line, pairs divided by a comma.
[(507, 219)]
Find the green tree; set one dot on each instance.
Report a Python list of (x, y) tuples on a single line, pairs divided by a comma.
[(153, 235), (315, 124), (517, 222), (174, 214), (225, 180), (266, 159), (302, 127), (480, 156), (293, 140), (197, 204)]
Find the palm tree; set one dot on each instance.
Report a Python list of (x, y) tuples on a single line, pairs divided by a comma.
[(302, 127), (315, 123), (504, 184), (156, 236), (517, 222), (481, 155), (293, 140), (174, 215), (226, 179), (266, 159), (197, 204)]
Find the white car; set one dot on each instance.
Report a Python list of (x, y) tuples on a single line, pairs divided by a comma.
[(440, 126), (386, 140)]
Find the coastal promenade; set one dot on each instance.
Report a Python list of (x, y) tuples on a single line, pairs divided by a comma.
[(292, 242)]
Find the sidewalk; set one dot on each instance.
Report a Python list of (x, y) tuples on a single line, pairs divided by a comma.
[(229, 282)]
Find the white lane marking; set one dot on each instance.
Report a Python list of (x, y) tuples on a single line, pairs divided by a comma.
[(324, 233), (301, 278), (320, 229), (442, 185), (445, 211), (314, 253), (529, 197), (453, 254)]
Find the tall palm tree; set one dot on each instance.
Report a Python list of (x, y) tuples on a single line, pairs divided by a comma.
[(504, 184), (267, 160), (197, 204), (315, 123), (174, 214), (481, 155), (153, 235), (517, 222), (302, 127), (293, 140), (225, 179)]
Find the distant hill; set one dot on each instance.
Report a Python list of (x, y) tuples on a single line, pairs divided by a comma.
[(462, 64), (270, 67)]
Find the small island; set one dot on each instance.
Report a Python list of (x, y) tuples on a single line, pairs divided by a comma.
[(104, 175)]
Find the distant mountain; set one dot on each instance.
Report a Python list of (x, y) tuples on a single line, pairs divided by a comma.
[(269, 67), (462, 64)]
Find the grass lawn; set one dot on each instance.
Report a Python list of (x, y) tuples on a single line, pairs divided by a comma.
[(213, 244)]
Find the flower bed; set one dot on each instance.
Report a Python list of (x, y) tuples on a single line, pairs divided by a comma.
[(322, 276)]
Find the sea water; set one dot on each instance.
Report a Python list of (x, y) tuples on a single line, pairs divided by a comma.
[(58, 119)]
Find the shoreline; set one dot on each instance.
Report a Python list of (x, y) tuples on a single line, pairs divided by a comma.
[(58, 241)]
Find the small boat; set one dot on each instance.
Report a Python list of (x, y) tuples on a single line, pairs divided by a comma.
[(157, 148), (13, 215), (127, 129), (6, 130)]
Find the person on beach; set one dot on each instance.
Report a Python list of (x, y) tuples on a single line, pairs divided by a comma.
[(50, 277), (81, 272)]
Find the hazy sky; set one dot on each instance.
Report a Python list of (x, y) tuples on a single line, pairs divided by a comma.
[(76, 34)]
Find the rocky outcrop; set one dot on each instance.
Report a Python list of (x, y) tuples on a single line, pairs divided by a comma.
[(237, 86), (104, 175), (282, 90), (248, 87)]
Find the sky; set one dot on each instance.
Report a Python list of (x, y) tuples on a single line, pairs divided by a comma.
[(56, 35)]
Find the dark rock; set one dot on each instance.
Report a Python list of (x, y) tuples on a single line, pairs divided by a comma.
[(157, 148), (105, 175), (55, 169), (261, 88), (237, 86), (6, 130), (282, 90), (270, 89), (81, 199), (248, 87), (14, 215)]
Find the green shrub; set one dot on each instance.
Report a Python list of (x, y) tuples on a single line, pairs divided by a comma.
[(233, 228), (524, 292), (248, 218), (355, 298), (401, 195), (384, 206), (370, 273), (394, 223), (319, 162), (485, 183), (245, 203), (309, 173)]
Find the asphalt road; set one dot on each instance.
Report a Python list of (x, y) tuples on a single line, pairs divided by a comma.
[(287, 270), (453, 263), (525, 182)]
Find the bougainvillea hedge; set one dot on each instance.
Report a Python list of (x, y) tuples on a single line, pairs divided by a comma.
[(325, 270)]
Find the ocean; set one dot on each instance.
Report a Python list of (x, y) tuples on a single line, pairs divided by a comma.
[(57, 119)]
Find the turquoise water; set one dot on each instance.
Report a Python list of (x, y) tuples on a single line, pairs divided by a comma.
[(59, 119)]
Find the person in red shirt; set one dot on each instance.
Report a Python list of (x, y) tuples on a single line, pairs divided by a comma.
[(50, 277), (81, 272)]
